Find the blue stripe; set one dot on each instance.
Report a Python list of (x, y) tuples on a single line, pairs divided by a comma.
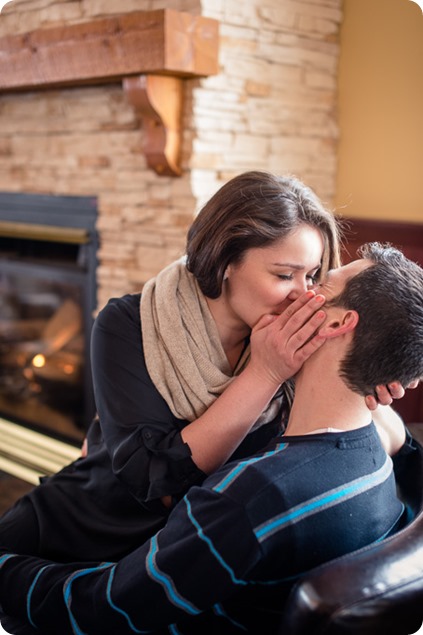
[(166, 581), (6, 557), (67, 593), (30, 592), (210, 545), (116, 608), (233, 474), (333, 497), (219, 610)]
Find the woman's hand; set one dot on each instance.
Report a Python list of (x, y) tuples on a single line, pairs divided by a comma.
[(280, 344), (386, 394)]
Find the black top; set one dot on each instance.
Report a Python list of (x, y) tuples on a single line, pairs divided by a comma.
[(102, 506)]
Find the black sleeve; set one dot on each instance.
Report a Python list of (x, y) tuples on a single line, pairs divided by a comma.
[(401, 458), (141, 434), (148, 589)]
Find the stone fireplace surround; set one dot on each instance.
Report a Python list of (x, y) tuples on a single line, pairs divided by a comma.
[(270, 105), (150, 52)]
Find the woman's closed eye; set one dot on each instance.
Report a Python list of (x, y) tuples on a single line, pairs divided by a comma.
[(312, 278)]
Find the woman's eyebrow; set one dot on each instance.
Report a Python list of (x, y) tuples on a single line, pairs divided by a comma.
[(297, 267)]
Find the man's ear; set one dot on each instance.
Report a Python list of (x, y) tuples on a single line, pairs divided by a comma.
[(345, 322)]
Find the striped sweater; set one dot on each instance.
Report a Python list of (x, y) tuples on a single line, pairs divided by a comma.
[(229, 551)]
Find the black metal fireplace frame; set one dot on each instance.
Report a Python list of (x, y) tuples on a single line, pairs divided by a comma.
[(62, 219)]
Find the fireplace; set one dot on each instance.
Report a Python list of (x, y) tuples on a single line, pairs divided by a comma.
[(48, 251)]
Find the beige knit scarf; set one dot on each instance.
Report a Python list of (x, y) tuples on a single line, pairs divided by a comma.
[(182, 348)]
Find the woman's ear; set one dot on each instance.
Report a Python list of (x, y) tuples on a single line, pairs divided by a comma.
[(344, 322)]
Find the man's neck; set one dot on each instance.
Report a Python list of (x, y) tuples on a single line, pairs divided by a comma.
[(323, 400)]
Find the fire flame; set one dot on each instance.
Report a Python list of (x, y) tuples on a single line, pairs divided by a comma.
[(39, 361)]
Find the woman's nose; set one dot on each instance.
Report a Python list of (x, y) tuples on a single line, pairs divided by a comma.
[(298, 288)]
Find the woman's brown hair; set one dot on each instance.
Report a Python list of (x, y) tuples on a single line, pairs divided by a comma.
[(254, 209)]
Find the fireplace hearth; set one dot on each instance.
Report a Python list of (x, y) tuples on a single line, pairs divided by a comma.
[(48, 250)]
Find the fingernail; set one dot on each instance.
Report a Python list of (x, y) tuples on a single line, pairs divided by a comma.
[(320, 298)]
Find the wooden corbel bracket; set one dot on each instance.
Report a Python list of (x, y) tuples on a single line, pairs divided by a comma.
[(151, 52), (157, 101)]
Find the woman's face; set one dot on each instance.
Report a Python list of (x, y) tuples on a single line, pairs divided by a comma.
[(270, 278)]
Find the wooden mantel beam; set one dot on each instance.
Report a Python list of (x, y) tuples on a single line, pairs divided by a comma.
[(163, 42), (124, 48)]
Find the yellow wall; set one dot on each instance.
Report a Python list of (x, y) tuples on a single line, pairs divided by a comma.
[(380, 172)]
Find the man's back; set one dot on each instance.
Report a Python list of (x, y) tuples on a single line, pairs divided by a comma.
[(307, 500)]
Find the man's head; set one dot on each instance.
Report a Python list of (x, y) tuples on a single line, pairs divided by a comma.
[(382, 302)]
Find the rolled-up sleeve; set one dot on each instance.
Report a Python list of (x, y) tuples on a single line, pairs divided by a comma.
[(141, 434)]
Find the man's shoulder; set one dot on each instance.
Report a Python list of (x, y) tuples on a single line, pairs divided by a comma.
[(289, 461), (247, 479)]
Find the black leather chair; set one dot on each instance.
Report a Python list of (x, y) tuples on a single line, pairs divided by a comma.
[(377, 590)]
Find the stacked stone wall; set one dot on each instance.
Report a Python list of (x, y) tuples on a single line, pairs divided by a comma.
[(272, 106)]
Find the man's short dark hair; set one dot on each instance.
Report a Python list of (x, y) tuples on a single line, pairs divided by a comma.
[(388, 339)]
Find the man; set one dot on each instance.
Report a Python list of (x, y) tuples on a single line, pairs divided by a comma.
[(232, 546)]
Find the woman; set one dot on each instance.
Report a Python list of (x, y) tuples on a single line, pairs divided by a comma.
[(194, 374)]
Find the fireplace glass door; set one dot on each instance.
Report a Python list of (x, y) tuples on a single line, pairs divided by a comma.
[(42, 349), (46, 306)]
